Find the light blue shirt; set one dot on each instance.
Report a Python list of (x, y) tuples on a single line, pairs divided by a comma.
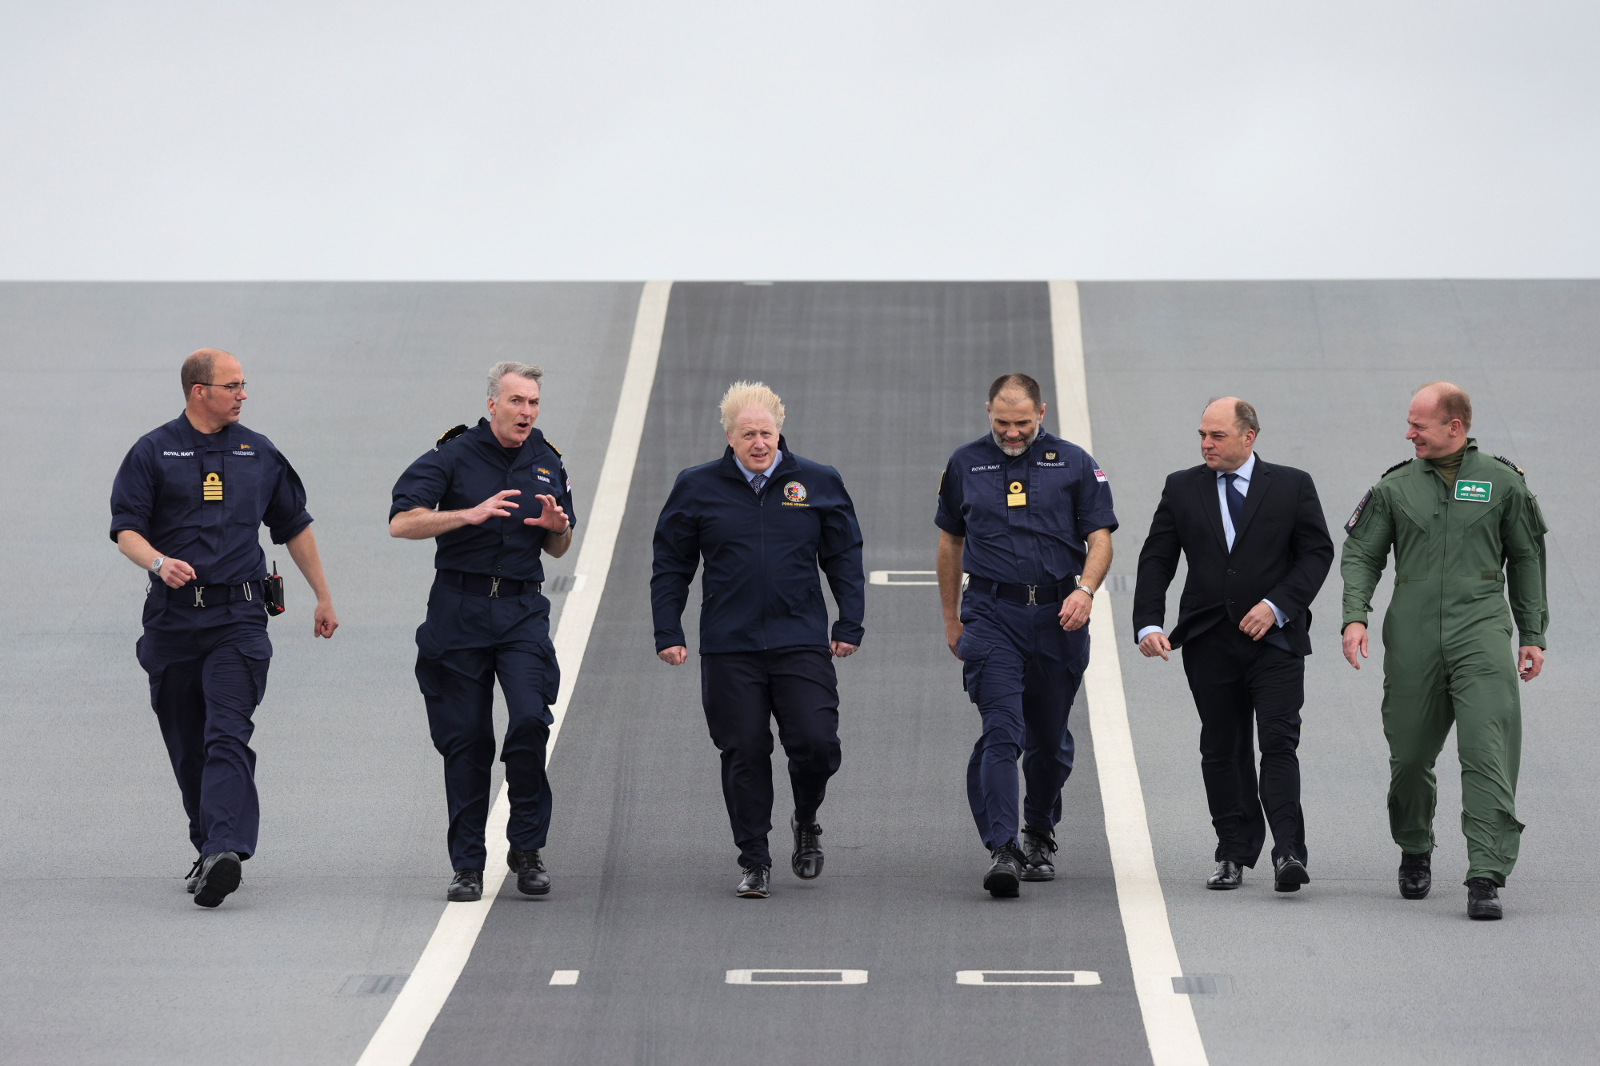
[(1242, 483), (750, 475)]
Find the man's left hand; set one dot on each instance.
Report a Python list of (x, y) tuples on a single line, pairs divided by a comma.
[(1259, 622), (1075, 610), (551, 516), (324, 621), (840, 649), (1530, 661)]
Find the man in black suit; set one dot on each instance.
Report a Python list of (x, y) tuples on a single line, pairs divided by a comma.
[(1258, 551)]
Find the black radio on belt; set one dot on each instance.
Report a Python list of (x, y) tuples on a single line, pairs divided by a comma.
[(272, 591)]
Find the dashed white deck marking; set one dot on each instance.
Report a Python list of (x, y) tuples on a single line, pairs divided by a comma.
[(412, 1014), (785, 977), (1169, 1023), (564, 977), (1065, 978)]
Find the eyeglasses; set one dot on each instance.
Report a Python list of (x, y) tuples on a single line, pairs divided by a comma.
[(237, 387)]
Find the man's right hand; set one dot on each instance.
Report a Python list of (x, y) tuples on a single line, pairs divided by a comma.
[(1355, 640), (675, 656), (1155, 644), (494, 507), (176, 573), (952, 635)]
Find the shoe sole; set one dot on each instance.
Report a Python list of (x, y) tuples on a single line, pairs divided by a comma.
[(1002, 885), (223, 879), (754, 895), (1222, 888), (545, 891), (1484, 915), (1416, 895), (453, 898), (1034, 873), (1291, 879)]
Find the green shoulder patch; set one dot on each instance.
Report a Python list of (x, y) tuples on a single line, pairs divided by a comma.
[(1512, 465), (449, 435), (1397, 466)]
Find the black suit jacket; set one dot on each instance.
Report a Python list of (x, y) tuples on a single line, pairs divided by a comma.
[(1281, 552)]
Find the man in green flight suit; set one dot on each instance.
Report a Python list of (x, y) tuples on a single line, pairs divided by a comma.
[(1461, 524)]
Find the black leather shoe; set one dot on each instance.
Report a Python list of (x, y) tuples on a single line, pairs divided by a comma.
[(806, 862), (1288, 874), (1416, 875), (1229, 874), (532, 879), (1483, 900), (756, 883), (466, 887), (192, 878), (1004, 879), (1038, 854), (219, 875)]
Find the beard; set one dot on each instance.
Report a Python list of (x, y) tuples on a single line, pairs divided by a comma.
[(1018, 448)]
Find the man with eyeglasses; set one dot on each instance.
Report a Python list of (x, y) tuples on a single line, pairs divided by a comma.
[(187, 505), (495, 498)]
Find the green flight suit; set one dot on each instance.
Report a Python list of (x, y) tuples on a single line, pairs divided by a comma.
[(1447, 652)]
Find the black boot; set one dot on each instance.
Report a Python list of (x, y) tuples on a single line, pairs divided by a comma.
[(532, 880), (1416, 874), (1004, 878), (1483, 899), (466, 887), (1038, 854)]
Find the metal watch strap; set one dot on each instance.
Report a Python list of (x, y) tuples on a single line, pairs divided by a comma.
[(155, 564), (1079, 586)]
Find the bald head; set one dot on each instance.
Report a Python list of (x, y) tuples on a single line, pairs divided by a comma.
[(1439, 419), (213, 389), (1228, 428), (200, 367)]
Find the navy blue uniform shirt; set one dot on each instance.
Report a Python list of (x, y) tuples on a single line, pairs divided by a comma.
[(760, 588), (203, 498), (1044, 540), (461, 473)]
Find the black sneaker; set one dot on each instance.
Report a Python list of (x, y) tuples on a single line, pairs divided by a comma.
[(466, 887), (532, 878), (756, 883), (1038, 851), (1005, 871), (219, 875), (806, 862), (1483, 900), (1416, 875), (192, 878)]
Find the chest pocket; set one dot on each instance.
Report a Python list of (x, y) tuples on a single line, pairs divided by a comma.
[(984, 500), (243, 490), (1053, 498)]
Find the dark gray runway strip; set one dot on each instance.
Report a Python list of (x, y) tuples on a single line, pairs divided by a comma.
[(882, 381)]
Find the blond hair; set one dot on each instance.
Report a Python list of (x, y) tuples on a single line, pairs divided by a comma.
[(743, 394)]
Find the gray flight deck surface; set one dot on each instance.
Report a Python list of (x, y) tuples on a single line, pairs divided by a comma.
[(107, 961)]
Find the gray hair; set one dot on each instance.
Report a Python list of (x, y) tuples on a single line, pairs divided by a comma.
[(504, 367)]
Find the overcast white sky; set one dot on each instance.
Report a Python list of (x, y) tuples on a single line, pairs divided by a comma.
[(596, 139)]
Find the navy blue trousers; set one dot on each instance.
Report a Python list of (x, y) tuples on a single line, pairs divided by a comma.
[(741, 693), (1022, 670), (205, 685), (458, 688)]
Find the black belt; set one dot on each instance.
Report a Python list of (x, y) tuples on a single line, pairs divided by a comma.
[(482, 585), (1024, 594), (213, 595)]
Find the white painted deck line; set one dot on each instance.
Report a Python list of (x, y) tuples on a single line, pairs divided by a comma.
[(1169, 1022), (412, 1014)]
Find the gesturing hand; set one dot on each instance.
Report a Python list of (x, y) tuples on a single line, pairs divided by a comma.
[(1155, 644), (1355, 640), (496, 506), (552, 517)]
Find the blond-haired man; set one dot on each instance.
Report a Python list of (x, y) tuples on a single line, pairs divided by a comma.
[(764, 520)]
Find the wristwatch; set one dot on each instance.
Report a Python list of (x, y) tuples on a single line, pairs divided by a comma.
[(1079, 586), (155, 565)]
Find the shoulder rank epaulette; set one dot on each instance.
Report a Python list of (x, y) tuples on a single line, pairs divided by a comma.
[(552, 447), (1397, 466), (449, 435), (1512, 465)]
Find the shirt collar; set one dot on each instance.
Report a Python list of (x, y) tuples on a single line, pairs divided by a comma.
[(1244, 471)]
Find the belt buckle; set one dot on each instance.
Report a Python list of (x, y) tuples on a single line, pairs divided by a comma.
[(199, 596), (494, 587), (1031, 601)]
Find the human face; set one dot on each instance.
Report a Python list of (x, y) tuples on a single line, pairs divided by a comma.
[(1223, 447), (754, 439), (1014, 421), (1428, 430), (214, 407), (512, 413)]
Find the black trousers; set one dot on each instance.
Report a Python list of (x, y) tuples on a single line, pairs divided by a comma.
[(741, 693), (1234, 678)]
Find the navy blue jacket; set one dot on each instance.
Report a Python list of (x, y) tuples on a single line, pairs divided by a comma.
[(760, 587), (463, 472), (161, 493), (1044, 540)]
